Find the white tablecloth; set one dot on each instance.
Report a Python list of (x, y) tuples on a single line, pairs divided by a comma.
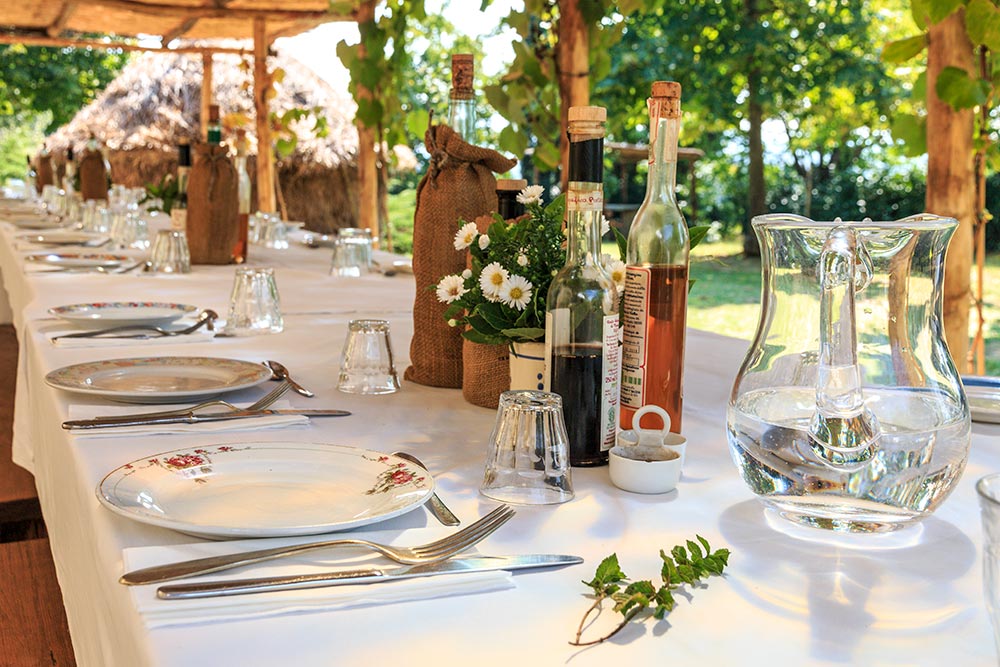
[(783, 601)]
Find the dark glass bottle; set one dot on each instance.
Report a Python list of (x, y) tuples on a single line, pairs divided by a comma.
[(581, 322), (178, 211), (507, 205)]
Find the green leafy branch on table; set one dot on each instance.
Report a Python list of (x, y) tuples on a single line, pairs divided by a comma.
[(683, 565)]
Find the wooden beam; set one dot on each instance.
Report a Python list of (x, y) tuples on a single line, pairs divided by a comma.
[(206, 93), (203, 12), (59, 24), (367, 168), (573, 65), (40, 39), (261, 83), (182, 28)]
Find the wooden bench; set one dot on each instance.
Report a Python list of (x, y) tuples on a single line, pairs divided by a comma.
[(33, 629), (20, 514)]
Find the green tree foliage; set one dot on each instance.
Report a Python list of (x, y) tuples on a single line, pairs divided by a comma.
[(20, 135), (37, 79)]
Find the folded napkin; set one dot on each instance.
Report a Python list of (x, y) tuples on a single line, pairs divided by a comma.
[(79, 411), (159, 613), (199, 336)]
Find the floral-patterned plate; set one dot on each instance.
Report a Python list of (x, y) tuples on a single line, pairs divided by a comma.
[(159, 379), (265, 489), (123, 313)]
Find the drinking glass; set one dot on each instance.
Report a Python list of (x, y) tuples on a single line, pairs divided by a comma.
[(361, 238), (275, 232), (129, 230), (254, 305), (528, 457), (989, 504), (366, 365), (170, 252), (348, 259)]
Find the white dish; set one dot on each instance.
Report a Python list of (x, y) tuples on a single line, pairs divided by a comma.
[(123, 313), (77, 261), (32, 222), (983, 394), (158, 379), (265, 489), (64, 237)]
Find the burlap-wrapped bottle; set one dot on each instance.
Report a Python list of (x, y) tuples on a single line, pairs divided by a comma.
[(43, 170), (93, 175), (213, 205), (459, 185)]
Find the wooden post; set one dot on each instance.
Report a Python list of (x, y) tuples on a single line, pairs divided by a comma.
[(367, 167), (206, 93), (261, 84), (573, 65), (951, 184)]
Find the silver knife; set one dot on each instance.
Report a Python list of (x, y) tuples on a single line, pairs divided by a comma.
[(362, 576), (191, 418)]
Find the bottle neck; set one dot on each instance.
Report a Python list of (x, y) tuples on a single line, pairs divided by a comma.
[(241, 163), (462, 117), (585, 198), (508, 207), (661, 182)]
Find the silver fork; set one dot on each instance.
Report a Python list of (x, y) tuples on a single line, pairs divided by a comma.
[(207, 318), (425, 553)]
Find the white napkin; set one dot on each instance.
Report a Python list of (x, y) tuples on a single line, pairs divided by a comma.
[(80, 411), (199, 336), (159, 613)]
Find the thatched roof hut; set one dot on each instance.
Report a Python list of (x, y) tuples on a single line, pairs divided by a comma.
[(155, 103)]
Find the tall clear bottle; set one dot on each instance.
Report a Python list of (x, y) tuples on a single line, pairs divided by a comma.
[(462, 106), (243, 176), (581, 322), (69, 178), (178, 211), (656, 279)]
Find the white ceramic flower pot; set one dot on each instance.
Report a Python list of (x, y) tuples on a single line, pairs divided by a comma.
[(527, 366)]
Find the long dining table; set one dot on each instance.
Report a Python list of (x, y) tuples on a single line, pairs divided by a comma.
[(789, 595)]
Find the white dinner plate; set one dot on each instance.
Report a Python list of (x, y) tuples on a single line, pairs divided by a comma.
[(265, 489), (984, 398), (64, 237), (123, 313), (28, 221), (77, 261), (158, 379)]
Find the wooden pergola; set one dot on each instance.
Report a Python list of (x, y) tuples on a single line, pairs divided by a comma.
[(70, 23)]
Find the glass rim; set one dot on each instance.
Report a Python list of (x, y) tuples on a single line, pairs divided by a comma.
[(984, 494), (920, 221), (368, 325), (530, 398)]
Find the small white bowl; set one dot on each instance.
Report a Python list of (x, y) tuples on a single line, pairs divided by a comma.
[(644, 469)]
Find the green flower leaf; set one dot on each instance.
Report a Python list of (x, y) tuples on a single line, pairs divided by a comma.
[(525, 333), (903, 49), (958, 89), (698, 233)]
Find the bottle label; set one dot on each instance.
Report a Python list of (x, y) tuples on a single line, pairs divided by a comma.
[(585, 201), (178, 219), (635, 311), (612, 368)]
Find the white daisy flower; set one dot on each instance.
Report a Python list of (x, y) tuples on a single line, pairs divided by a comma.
[(466, 235), (467, 274), (516, 292), (492, 279), (605, 226), (522, 260), (451, 288), (453, 323), (616, 271), (531, 194), (484, 242)]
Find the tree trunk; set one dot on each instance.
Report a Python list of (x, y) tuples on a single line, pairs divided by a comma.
[(951, 186), (757, 204), (367, 163), (573, 66)]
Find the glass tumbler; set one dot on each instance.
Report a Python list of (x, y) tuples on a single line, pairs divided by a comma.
[(348, 259), (361, 238), (170, 252), (528, 457), (275, 232), (254, 305), (366, 365), (129, 230)]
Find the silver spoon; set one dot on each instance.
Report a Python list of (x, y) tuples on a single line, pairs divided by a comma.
[(281, 373), (435, 504)]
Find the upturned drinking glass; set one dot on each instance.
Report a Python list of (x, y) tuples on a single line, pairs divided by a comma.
[(254, 304), (527, 461), (170, 253), (367, 365)]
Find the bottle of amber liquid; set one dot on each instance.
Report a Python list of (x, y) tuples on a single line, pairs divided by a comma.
[(243, 180), (581, 319), (656, 279), (462, 101)]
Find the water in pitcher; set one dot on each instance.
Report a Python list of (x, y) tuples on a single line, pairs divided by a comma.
[(922, 450)]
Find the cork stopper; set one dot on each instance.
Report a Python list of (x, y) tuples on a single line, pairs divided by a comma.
[(588, 114), (213, 113), (462, 74), (511, 184), (666, 89)]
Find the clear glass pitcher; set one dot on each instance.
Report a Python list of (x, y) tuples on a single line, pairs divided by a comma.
[(848, 412)]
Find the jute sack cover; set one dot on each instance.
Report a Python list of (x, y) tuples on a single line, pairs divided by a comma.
[(213, 205), (459, 185), (43, 174), (485, 368), (93, 176)]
